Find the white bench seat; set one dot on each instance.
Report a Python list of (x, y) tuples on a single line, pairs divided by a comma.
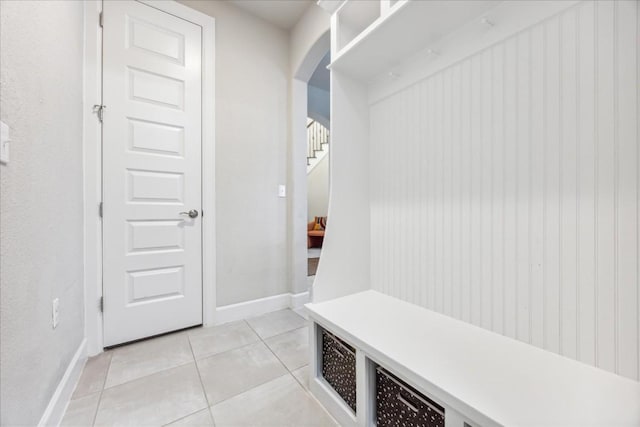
[(488, 378)]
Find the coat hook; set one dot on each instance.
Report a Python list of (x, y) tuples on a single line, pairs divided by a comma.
[(487, 22)]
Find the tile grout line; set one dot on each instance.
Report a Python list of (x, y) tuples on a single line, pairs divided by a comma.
[(257, 385), (204, 390), (148, 375), (267, 345), (289, 372), (283, 333), (194, 360), (226, 399), (150, 339), (103, 388), (306, 391), (104, 382), (276, 356), (260, 340), (206, 356), (187, 416)]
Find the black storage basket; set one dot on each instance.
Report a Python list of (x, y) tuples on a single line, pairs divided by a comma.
[(339, 367), (398, 404)]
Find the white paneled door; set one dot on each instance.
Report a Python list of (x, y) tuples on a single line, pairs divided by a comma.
[(152, 256)]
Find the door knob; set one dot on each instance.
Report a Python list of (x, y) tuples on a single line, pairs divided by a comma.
[(192, 213)]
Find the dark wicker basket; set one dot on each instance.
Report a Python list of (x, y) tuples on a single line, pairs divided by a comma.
[(339, 367), (398, 404)]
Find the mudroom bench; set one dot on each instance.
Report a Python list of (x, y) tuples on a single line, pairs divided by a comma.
[(377, 360)]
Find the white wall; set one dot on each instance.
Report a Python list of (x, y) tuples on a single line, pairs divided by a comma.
[(252, 77), (318, 189), (504, 188), (41, 211)]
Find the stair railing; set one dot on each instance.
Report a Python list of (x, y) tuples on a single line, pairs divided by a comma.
[(317, 135)]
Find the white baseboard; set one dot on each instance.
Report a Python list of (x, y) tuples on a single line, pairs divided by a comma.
[(257, 307), (298, 300), (58, 404)]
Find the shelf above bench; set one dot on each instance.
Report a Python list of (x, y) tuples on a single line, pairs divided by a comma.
[(406, 28), (490, 378)]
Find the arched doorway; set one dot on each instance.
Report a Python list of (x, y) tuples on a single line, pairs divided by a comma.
[(298, 164)]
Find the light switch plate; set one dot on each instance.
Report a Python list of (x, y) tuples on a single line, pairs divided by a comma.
[(4, 143), (282, 190)]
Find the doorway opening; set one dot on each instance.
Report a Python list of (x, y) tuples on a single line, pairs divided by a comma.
[(301, 282), (318, 146)]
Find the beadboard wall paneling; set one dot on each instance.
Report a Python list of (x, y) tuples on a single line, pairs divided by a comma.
[(505, 188)]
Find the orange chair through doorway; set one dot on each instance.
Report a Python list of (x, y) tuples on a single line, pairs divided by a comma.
[(315, 232)]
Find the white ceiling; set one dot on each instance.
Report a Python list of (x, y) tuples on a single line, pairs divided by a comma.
[(282, 13)]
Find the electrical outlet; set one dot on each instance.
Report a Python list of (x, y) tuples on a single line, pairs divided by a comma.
[(55, 311)]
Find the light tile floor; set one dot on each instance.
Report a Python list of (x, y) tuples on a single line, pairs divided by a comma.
[(246, 373)]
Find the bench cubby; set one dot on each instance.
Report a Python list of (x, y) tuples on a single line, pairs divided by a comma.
[(339, 367), (400, 405)]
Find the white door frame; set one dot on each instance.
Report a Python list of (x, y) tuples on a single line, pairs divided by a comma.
[(92, 165)]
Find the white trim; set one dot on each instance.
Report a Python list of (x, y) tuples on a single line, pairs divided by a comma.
[(323, 392), (299, 300), (92, 172), (330, 6), (208, 174), (333, 404), (257, 307), (92, 164), (60, 400), (297, 228)]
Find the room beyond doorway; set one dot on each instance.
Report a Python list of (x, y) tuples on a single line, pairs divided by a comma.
[(318, 146)]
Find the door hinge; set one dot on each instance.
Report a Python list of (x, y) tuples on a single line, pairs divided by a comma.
[(99, 110), (101, 304), (101, 20), (100, 209)]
